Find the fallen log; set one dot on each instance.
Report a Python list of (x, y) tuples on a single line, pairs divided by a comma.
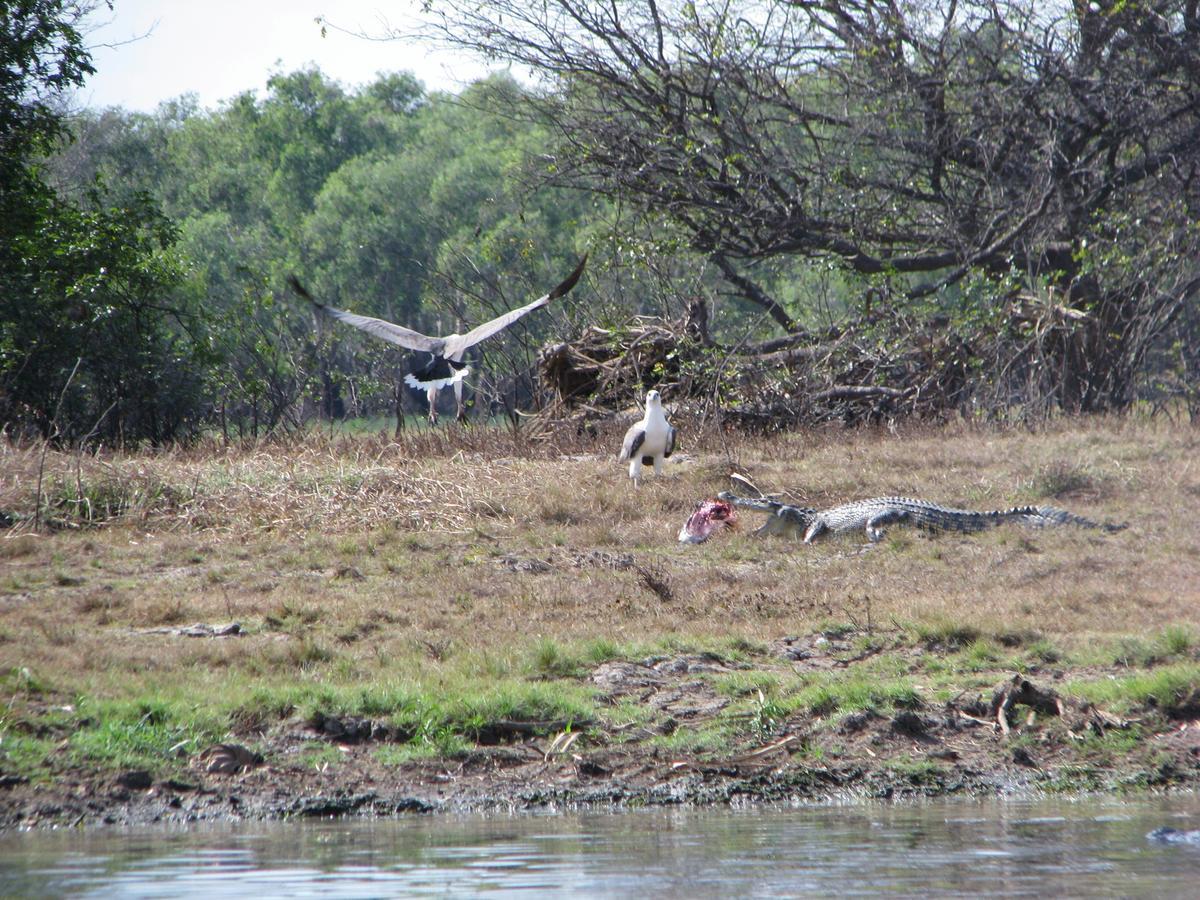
[(1023, 692)]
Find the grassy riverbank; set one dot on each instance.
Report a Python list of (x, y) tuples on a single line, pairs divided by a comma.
[(467, 619)]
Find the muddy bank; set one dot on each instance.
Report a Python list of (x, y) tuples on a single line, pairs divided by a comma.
[(1023, 736)]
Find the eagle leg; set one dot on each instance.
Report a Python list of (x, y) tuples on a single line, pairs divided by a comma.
[(431, 394), (460, 409)]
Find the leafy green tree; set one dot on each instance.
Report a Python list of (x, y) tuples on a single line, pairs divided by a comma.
[(93, 343), (416, 208)]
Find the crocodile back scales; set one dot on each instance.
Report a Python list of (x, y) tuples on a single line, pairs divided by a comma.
[(872, 514)]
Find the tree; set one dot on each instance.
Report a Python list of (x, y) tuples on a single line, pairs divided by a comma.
[(41, 57), (94, 343), (1049, 149)]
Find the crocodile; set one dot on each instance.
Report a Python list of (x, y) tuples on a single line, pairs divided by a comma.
[(873, 514)]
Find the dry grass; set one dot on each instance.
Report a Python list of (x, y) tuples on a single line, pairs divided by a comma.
[(369, 559)]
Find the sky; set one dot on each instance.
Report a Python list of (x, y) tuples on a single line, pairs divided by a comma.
[(220, 48)]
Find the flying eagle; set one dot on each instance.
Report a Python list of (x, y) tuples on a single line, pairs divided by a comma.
[(445, 366), (648, 442)]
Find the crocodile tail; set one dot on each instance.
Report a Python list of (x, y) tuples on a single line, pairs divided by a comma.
[(1048, 516)]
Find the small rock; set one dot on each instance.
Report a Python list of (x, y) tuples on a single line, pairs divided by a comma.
[(353, 730), (592, 769), (229, 759), (135, 780), (1022, 757), (909, 723), (602, 560), (1174, 836), (857, 721), (327, 807), (624, 676), (676, 666), (201, 629), (413, 805), (529, 564)]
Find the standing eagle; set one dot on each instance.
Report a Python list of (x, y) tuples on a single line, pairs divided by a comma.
[(650, 441), (445, 366)]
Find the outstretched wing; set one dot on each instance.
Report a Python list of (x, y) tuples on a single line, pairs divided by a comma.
[(455, 345), (396, 334), (569, 281)]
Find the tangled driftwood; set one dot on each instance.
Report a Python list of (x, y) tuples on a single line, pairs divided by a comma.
[(868, 370), (602, 363)]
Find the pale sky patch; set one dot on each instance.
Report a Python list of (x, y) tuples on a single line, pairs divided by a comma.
[(220, 48)]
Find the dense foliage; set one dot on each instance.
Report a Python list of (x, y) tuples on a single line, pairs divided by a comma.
[(950, 206), (384, 200), (94, 342), (1028, 168)]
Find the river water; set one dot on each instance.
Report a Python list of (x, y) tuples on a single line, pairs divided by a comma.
[(1044, 848)]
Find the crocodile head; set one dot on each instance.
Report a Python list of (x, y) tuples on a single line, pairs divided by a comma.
[(711, 515)]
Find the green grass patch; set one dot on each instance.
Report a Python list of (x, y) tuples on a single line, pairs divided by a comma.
[(767, 716), (147, 733), (472, 713), (714, 738), (746, 683), (1112, 743), (449, 706), (101, 497), (441, 744), (553, 659), (986, 655), (1043, 651), (1166, 688), (320, 756), (945, 634), (602, 650), (549, 658), (917, 771), (1172, 642), (1177, 640), (627, 715), (1071, 779), (852, 692), (23, 681), (25, 754), (268, 703), (980, 654), (734, 650)]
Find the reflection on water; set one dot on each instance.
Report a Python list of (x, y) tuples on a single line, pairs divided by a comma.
[(1042, 848)]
